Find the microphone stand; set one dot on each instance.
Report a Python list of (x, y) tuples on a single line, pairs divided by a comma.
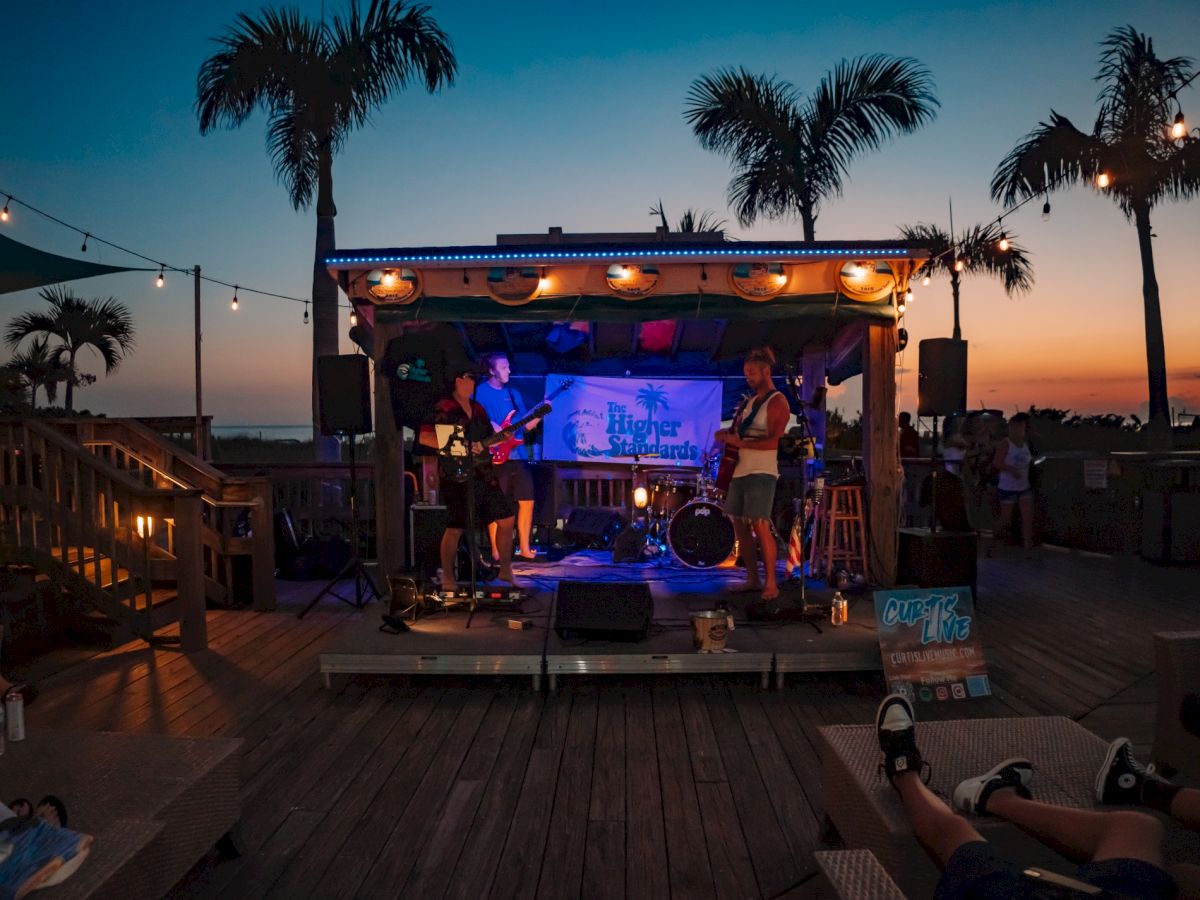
[(462, 468)]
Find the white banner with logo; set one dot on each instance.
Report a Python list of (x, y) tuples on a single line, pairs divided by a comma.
[(599, 419)]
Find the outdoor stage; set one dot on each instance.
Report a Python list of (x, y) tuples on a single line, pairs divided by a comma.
[(442, 643)]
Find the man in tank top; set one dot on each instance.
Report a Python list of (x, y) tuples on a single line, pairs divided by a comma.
[(755, 433)]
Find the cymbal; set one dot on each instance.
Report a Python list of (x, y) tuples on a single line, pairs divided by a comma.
[(636, 456)]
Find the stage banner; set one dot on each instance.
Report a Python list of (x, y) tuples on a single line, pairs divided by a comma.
[(599, 419), (929, 640)]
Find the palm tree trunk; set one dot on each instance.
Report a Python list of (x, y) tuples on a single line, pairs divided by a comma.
[(324, 288), (808, 221), (955, 281), (1159, 431), (69, 397)]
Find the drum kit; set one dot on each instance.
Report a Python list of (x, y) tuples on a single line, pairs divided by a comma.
[(685, 516)]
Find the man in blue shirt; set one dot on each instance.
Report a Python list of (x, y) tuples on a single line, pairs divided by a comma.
[(495, 396)]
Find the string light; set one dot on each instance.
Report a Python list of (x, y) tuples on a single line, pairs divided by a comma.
[(83, 249), (959, 265), (4, 212), (543, 282), (1179, 128), (353, 317), (908, 296), (1103, 180), (234, 304), (925, 281), (305, 313), (161, 279), (1003, 243)]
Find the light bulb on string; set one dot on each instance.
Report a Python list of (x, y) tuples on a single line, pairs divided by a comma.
[(305, 313), (1003, 243), (161, 279), (925, 281), (4, 212), (1179, 127), (543, 282), (908, 296), (1046, 211), (959, 265), (234, 304), (1103, 180), (353, 317), (900, 307), (83, 249)]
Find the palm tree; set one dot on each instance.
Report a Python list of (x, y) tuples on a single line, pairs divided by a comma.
[(978, 252), (105, 325), (38, 366), (318, 82), (1132, 146), (692, 221), (650, 398), (791, 154)]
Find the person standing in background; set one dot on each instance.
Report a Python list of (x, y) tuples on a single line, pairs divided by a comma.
[(1012, 460)]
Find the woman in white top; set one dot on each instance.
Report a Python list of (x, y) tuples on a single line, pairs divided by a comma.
[(1012, 460)]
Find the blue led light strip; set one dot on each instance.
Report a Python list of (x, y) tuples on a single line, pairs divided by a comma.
[(615, 255)]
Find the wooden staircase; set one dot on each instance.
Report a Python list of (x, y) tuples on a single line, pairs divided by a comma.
[(143, 530)]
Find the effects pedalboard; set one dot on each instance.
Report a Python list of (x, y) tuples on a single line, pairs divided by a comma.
[(503, 596)]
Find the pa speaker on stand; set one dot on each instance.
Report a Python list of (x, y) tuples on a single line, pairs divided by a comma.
[(942, 379)]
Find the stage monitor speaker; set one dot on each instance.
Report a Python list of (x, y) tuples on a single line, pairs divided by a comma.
[(629, 545), (425, 527), (344, 394), (603, 610), (938, 559), (942, 380), (594, 528)]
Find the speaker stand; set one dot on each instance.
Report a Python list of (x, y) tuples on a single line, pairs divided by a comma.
[(363, 583)]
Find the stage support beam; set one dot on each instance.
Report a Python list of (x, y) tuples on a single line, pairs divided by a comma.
[(881, 451), (812, 368), (388, 460)]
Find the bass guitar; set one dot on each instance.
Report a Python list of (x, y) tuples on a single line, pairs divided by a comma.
[(501, 444)]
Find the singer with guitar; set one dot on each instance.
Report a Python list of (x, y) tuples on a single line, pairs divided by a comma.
[(516, 480), (753, 441), (491, 505)]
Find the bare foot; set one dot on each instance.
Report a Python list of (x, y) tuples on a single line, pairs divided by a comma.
[(770, 592)]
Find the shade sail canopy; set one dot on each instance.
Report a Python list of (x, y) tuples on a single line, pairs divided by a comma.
[(23, 267)]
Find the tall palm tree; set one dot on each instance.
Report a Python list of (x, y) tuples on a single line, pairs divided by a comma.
[(38, 366), (978, 252), (1132, 145), (105, 325), (792, 153), (318, 82)]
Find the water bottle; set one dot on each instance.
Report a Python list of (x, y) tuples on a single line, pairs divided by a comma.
[(839, 611), (14, 707)]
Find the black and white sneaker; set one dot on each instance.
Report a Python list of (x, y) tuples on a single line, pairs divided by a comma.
[(1121, 780), (898, 738), (972, 795)]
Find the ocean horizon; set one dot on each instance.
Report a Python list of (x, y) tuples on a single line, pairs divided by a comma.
[(265, 432)]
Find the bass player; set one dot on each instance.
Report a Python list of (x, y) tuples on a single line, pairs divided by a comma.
[(761, 420), (491, 506)]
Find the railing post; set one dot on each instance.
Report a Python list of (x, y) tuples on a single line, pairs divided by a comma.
[(189, 561), (262, 562)]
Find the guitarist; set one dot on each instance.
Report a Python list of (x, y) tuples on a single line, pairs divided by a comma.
[(491, 506), (516, 480), (757, 427)]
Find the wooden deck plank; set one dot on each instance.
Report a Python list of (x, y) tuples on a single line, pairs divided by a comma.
[(729, 857), (702, 745), (645, 838)]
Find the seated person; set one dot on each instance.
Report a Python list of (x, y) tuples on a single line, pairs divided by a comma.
[(1120, 852), (490, 503)]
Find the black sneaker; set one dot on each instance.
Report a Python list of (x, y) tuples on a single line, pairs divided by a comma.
[(898, 738), (972, 795), (1122, 780)]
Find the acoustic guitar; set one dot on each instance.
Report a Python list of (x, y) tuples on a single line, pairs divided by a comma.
[(501, 444), (729, 453)]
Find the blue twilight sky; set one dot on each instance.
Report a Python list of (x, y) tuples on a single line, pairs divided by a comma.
[(571, 115)]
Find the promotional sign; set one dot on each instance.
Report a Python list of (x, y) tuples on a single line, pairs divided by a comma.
[(930, 643), (604, 418)]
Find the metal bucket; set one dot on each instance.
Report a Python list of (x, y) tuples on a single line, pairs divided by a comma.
[(710, 628)]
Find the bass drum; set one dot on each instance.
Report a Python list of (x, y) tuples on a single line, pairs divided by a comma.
[(701, 535)]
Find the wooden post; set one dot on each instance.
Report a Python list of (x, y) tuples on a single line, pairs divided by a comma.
[(262, 559), (388, 459), (813, 370), (197, 435), (881, 451), (189, 572)]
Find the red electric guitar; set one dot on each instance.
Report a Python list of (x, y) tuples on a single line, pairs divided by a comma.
[(501, 444)]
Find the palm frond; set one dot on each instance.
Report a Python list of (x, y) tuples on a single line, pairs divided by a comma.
[(1180, 175), (700, 222), (979, 247), (742, 116), (295, 154), (1055, 154)]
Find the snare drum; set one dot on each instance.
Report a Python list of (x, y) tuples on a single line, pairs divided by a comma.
[(701, 535), (669, 493)]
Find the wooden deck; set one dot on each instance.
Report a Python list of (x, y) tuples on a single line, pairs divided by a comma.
[(670, 786)]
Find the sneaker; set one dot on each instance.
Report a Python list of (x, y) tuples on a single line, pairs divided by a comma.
[(972, 795), (1121, 780), (898, 737)]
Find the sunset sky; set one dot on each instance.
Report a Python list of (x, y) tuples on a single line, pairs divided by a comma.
[(571, 115)]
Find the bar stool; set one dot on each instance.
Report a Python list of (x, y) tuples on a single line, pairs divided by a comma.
[(840, 539)]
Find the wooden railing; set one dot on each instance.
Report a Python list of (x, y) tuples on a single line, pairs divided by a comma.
[(237, 518), (132, 549), (182, 430)]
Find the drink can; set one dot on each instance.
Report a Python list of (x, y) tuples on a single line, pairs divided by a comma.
[(14, 708)]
